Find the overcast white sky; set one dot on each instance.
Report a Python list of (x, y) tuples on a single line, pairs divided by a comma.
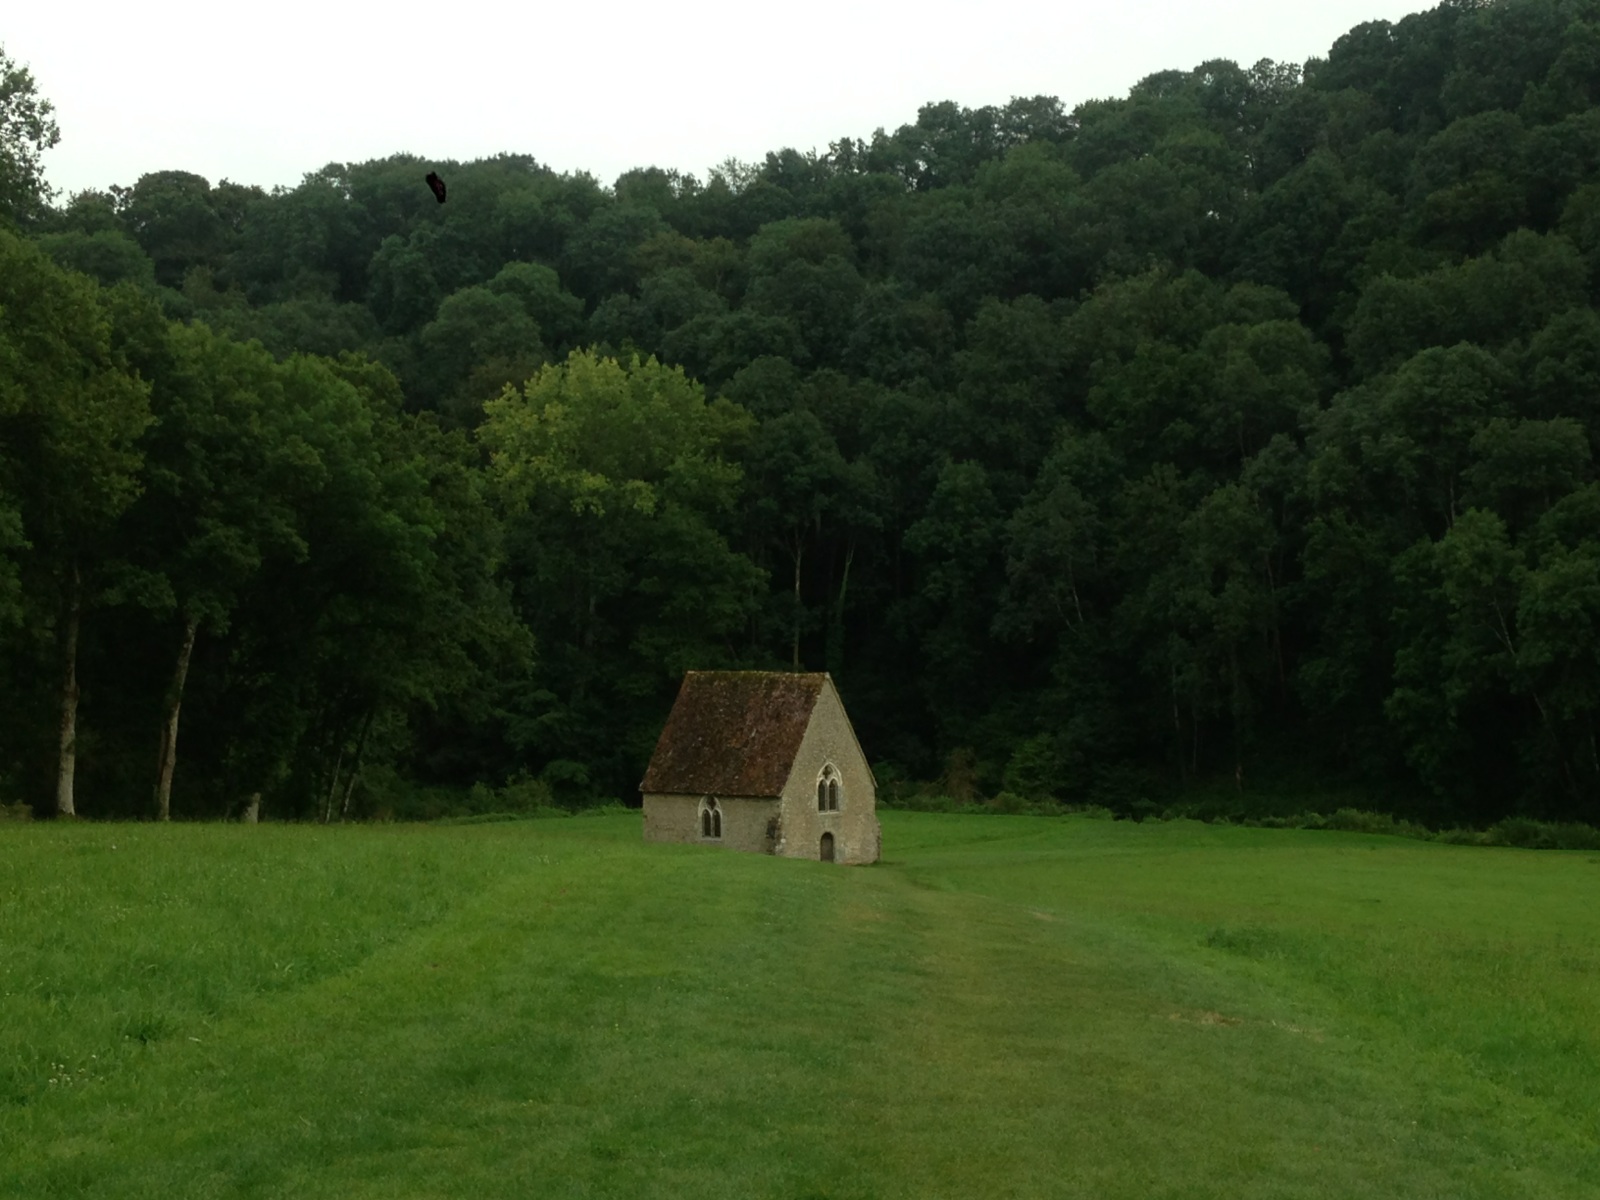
[(262, 93)]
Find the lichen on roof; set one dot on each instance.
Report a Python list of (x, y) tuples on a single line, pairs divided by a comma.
[(733, 733)]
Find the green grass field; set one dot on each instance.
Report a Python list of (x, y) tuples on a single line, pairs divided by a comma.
[(1007, 1006)]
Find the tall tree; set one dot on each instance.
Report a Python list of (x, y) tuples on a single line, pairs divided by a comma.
[(219, 470), (620, 481), (72, 414), (27, 129)]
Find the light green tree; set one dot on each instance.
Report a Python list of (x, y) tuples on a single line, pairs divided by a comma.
[(27, 129), (621, 483)]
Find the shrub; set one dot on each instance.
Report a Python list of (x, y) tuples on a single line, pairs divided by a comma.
[(918, 801), (1463, 837), (523, 794), (1009, 803), (1095, 812), (1127, 787), (1302, 820), (1528, 834), (610, 810), (1128, 790)]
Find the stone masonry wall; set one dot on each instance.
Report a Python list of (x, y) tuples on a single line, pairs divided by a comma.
[(677, 819), (828, 739)]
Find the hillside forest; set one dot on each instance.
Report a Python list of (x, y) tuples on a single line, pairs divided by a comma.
[(1236, 432)]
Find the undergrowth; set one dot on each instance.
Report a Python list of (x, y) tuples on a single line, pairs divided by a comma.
[(1524, 833)]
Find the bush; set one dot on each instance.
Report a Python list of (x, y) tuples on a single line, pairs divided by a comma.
[(523, 794), (1522, 832), (610, 810), (1127, 786), (1303, 820), (1355, 820), (15, 812), (933, 802), (1463, 837), (1095, 812), (1009, 803), (1528, 834), (1126, 790)]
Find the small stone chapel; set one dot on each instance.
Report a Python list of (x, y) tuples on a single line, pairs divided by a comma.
[(764, 761)]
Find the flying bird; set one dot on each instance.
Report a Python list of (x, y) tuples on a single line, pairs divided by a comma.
[(437, 185)]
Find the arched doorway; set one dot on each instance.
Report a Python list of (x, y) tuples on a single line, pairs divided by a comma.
[(827, 847)]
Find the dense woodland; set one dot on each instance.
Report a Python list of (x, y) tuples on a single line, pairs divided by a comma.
[(1238, 432)]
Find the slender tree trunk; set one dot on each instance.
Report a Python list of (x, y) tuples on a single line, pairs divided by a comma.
[(1177, 726), (349, 790), (587, 596), (355, 765), (1236, 703), (1276, 634), (252, 810), (836, 637), (67, 759), (1573, 786), (798, 552), (167, 757), (1194, 740), (333, 788)]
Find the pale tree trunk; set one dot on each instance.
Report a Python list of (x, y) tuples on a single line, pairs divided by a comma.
[(252, 810), (1177, 724), (1276, 635), (67, 759), (167, 758), (355, 766), (835, 652), (797, 552), (1235, 703), (333, 788), (1194, 740)]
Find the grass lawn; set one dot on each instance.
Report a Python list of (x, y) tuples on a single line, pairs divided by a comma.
[(1007, 1006)]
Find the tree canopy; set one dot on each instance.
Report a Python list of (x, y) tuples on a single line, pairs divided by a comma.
[(1236, 431)]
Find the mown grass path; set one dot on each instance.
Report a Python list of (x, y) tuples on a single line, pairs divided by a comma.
[(1005, 1007)]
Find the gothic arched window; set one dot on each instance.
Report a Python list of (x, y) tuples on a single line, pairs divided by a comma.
[(829, 791), (710, 818)]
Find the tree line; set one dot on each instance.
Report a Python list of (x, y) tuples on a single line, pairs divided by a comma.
[(1237, 431)]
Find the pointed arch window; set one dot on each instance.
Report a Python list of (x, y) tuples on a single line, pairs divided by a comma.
[(710, 818), (830, 793)]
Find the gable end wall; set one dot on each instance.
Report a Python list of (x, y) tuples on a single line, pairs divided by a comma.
[(829, 739)]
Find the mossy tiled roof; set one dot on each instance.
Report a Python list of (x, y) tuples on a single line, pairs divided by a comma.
[(733, 733)]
